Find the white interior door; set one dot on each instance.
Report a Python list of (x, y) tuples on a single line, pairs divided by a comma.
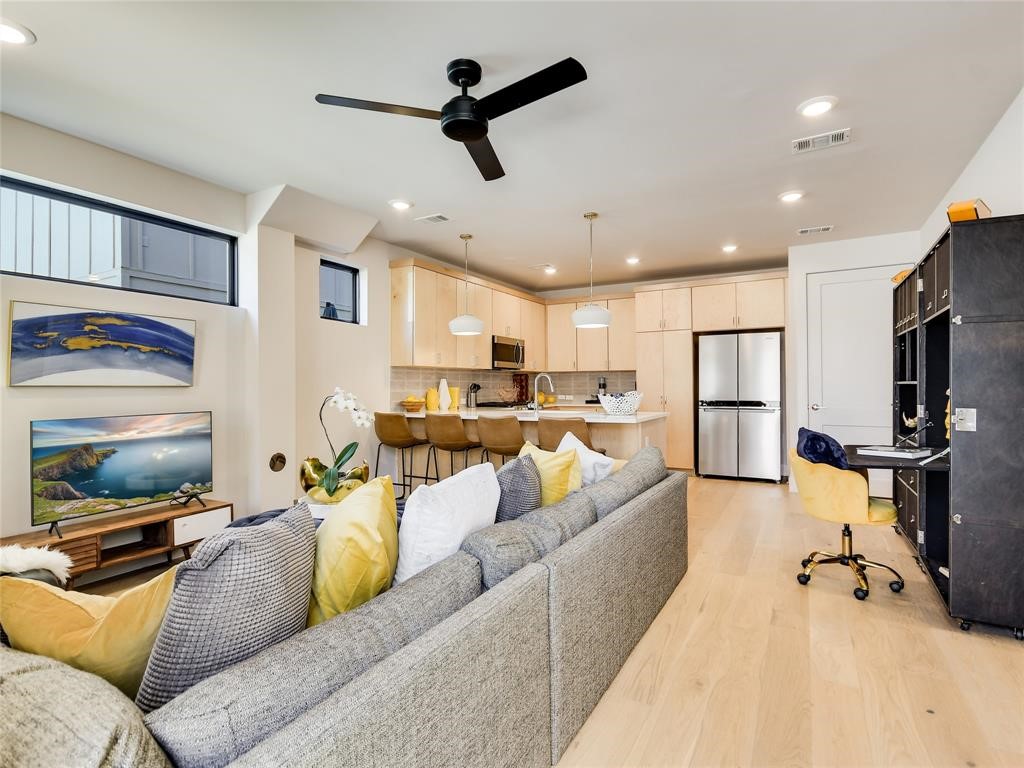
[(849, 359)]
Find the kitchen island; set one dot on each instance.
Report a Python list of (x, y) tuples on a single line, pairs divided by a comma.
[(620, 436)]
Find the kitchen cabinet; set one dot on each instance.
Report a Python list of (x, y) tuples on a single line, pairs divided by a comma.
[(591, 344), (534, 328), (664, 373), (422, 303), (621, 335), (664, 310), (474, 351), (732, 306), (561, 335), (506, 317), (714, 307), (761, 304)]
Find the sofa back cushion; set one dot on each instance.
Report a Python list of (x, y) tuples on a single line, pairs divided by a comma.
[(519, 481), (644, 471), (504, 548), (575, 513), (56, 715), (244, 589), (225, 716)]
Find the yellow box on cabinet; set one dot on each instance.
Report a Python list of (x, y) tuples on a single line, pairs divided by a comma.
[(968, 210)]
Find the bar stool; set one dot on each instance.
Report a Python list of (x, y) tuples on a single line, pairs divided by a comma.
[(447, 432), (501, 435), (550, 432), (393, 431)]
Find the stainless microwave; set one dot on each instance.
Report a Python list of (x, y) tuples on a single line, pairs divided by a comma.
[(507, 353)]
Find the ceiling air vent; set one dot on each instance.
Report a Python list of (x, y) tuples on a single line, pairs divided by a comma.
[(814, 230), (821, 141), (434, 218)]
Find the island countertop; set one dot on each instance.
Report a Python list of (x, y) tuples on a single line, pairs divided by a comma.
[(526, 415)]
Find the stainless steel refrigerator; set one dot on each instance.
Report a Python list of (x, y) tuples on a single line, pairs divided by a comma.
[(739, 395)]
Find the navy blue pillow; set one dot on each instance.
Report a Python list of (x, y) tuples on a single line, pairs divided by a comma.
[(819, 448)]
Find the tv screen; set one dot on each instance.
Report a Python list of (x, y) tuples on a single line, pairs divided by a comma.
[(103, 464)]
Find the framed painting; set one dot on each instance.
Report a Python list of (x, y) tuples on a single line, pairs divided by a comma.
[(54, 346)]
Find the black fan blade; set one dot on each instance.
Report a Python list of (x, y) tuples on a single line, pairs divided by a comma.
[(378, 106), (538, 85), (483, 155)]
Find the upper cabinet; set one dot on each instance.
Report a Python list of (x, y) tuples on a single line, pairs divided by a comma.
[(591, 344), (474, 351), (663, 310), (506, 315), (621, 336), (740, 305), (534, 335), (561, 338)]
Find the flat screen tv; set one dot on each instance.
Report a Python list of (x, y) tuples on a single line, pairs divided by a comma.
[(87, 466)]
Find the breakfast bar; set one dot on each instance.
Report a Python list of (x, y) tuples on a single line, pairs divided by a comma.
[(619, 436)]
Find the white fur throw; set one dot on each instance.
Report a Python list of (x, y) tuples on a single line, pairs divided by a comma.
[(15, 559)]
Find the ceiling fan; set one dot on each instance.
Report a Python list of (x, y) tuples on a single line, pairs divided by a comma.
[(464, 118)]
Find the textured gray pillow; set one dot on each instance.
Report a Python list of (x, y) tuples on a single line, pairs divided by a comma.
[(56, 715), (243, 590), (573, 514), (222, 718), (504, 548), (519, 481), (608, 495)]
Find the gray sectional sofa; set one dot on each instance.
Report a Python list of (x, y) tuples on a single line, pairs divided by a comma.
[(493, 657)]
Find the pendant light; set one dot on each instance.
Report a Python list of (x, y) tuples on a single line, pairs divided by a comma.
[(466, 324), (591, 315)]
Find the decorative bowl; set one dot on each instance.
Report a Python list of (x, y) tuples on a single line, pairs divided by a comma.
[(412, 406), (622, 403)]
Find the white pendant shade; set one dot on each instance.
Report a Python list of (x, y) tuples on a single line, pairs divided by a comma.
[(591, 316), (466, 325)]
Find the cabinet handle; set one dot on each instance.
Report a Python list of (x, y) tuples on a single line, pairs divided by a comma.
[(957, 519), (945, 292), (929, 306)]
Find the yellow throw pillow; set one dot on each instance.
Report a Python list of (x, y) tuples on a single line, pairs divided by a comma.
[(109, 636), (560, 473), (356, 551)]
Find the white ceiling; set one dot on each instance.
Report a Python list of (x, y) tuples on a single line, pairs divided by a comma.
[(679, 138)]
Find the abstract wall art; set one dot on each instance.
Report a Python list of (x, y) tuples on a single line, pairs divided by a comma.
[(55, 346)]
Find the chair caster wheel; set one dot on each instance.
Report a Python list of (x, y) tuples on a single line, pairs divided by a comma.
[(805, 562), (965, 626), (803, 578), (1018, 633), (896, 586), (860, 594)]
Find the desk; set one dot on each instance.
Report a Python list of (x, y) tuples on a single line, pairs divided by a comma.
[(857, 461)]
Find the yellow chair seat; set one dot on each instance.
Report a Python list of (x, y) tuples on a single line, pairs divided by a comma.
[(881, 511)]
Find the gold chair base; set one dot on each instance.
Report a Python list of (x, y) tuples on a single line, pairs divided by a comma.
[(856, 562)]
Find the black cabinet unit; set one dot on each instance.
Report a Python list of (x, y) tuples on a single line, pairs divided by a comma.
[(966, 353)]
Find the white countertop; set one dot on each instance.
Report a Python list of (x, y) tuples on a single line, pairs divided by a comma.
[(590, 416)]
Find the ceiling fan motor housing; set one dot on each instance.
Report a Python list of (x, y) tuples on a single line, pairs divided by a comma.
[(460, 121)]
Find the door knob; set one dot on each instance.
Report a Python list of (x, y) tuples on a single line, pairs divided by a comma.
[(815, 407)]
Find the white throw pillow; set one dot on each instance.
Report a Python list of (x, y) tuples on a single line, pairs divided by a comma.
[(595, 466), (437, 518)]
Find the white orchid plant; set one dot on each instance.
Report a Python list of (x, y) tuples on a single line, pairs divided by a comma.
[(361, 417)]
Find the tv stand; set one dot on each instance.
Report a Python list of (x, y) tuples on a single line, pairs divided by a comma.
[(132, 536), (188, 497)]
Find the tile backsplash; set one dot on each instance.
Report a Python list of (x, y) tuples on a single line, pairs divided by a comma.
[(581, 385)]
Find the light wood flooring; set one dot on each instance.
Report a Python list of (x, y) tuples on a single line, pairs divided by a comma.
[(746, 667)]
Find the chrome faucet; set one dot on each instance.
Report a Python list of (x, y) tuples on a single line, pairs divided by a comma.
[(536, 388)]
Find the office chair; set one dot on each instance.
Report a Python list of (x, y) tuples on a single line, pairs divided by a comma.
[(841, 496)]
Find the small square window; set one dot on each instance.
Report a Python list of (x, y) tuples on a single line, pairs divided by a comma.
[(339, 292)]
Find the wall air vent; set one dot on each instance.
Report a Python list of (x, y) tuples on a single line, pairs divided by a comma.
[(821, 141), (814, 230), (434, 218)]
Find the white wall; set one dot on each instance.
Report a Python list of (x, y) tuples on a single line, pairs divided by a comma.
[(897, 250), (995, 174), (218, 328)]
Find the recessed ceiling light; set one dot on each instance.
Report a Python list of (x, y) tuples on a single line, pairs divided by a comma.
[(11, 32), (550, 270), (400, 205), (817, 106), (792, 196), (633, 260), (730, 248)]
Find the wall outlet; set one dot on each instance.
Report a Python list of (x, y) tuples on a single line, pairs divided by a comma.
[(565, 397)]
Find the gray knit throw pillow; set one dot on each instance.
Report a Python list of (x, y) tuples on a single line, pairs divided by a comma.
[(243, 590), (519, 481)]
